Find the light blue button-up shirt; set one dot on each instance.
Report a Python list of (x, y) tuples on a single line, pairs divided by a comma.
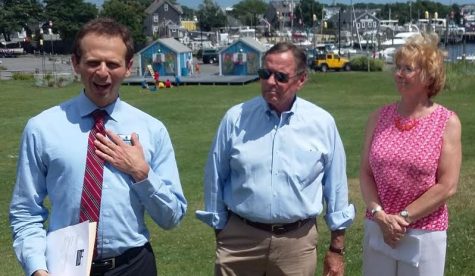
[(52, 162), (273, 169)]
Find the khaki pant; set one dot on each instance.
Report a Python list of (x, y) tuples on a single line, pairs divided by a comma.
[(244, 250)]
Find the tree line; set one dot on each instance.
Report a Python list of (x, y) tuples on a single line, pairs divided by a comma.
[(66, 17)]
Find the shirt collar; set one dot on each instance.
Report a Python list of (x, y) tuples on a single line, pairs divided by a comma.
[(86, 106), (269, 110)]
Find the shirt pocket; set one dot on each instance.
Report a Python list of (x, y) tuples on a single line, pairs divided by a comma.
[(308, 167)]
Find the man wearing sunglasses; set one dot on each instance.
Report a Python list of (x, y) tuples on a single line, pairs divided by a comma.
[(273, 161)]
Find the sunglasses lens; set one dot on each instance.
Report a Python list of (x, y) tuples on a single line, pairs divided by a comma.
[(264, 74), (281, 77)]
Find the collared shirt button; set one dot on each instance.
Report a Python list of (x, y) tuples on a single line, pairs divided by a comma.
[(106, 241)]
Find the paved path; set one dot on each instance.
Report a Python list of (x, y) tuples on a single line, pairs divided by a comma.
[(32, 64), (61, 64)]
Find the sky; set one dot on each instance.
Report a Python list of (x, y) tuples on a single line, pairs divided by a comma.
[(229, 3)]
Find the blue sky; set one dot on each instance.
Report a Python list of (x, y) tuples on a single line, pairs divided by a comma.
[(229, 3)]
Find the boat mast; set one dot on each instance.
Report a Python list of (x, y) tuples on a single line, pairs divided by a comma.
[(354, 22)]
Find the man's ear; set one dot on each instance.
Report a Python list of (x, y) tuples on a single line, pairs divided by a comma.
[(303, 78), (75, 62), (129, 68)]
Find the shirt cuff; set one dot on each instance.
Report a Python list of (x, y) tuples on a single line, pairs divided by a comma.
[(341, 219), (215, 220), (145, 188), (33, 264)]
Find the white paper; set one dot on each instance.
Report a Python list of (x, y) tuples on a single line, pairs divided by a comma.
[(407, 250), (69, 250)]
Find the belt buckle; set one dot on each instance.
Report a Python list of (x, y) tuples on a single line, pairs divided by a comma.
[(107, 264), (278, 229)]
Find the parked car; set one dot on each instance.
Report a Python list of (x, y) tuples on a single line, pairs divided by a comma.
[(210, 56), (331, 61)]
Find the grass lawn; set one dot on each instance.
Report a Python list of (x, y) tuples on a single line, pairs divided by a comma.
[(192, 114)]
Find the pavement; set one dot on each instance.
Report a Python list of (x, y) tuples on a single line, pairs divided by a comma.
[(62, 64), (35, 64)]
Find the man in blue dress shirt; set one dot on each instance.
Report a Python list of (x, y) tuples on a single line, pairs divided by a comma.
[(273, 162), (140, 171)]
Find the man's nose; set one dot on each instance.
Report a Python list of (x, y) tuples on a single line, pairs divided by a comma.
[(102, 68), (272, 79)]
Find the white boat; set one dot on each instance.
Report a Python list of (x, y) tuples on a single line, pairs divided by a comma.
[(11, 52), (400, 38), (387, 55), (470, 58)]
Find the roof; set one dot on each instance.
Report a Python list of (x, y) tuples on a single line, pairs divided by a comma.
[(249, 41), (170, 43), (158, 3)]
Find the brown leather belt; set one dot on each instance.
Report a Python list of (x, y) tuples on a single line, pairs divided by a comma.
[(277, 228)]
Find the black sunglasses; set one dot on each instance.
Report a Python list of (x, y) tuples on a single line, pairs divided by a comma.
[(265, 74)]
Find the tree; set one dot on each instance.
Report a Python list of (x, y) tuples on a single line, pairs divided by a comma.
[(68, 16), (18, 14), (210, 16), (247, 11), (188, 13), (129, 13), (305, 10), (146, 3)]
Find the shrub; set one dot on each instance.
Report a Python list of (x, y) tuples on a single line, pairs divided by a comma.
[(456, 72), (22, 76), (54, 80), (360, 63)]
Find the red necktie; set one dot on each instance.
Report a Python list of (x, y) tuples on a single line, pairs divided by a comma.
[(92, 187)]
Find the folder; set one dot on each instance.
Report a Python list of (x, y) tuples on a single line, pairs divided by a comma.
[(69, 250)]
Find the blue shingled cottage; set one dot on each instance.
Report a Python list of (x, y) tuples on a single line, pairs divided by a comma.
[(166, 56), (243, 57)]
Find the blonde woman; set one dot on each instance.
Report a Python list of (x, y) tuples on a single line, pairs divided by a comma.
[(410, 167)]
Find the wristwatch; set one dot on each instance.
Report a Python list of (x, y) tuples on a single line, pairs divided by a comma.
[(405, 215), (376, 209), (340, 251)]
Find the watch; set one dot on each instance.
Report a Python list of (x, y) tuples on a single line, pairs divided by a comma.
[(405, 214), (376, 209), (340, 251)]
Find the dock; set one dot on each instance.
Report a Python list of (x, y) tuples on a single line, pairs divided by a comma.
[(202, 79)]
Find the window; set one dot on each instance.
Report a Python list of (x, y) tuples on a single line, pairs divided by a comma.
[(165, 7), (155, 18)]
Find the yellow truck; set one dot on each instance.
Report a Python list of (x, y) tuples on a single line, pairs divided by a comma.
[(331, 61)]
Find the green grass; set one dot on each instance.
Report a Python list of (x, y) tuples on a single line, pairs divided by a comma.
[(192, 114)]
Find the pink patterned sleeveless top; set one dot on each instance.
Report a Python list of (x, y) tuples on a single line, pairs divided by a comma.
[(404, 157)]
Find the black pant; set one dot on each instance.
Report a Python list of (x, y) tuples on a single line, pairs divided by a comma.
[(142, 264)]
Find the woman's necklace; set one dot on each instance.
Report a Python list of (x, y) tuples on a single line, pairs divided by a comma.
[(405, 124)]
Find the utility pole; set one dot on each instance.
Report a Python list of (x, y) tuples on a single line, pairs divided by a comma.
[(339, 30), (291, 18)]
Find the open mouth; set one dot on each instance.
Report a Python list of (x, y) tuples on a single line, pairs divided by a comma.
[(102, 86)]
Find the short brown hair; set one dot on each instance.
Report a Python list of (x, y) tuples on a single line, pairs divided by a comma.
[(299, 55), (422, 50), (107, 27)]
